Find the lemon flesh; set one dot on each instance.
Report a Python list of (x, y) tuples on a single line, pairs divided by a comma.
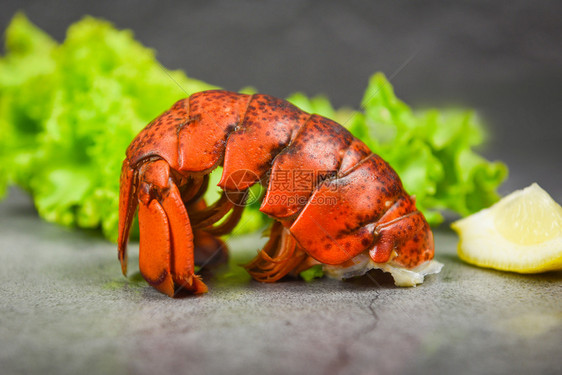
[(520, 233)]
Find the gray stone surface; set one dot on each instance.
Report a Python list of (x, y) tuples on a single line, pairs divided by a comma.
[(66, 309)]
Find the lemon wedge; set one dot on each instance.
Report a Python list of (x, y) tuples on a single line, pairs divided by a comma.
[(520, 233)]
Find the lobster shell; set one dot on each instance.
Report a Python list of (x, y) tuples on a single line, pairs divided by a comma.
[(331, 197)]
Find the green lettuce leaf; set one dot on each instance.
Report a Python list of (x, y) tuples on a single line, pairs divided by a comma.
[(312, 273)]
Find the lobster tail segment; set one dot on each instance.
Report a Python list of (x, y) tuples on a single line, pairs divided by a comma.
[(127, 206), (336, 224), (213, 115), (251, 149)]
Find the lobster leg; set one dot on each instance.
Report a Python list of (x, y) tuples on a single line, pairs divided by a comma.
[(209, 215), (279, 256), (166, 243), (209, 249)]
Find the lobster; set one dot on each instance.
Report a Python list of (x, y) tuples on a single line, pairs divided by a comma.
[(333, 201)]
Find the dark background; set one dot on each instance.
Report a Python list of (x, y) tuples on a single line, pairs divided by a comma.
[(502, 58)]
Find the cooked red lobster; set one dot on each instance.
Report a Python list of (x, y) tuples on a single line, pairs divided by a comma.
[(332, 199)]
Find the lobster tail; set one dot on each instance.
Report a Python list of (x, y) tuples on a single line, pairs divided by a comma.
[(128, 203), (335, 202)]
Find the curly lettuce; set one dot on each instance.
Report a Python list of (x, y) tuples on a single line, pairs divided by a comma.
[(68, 111)]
